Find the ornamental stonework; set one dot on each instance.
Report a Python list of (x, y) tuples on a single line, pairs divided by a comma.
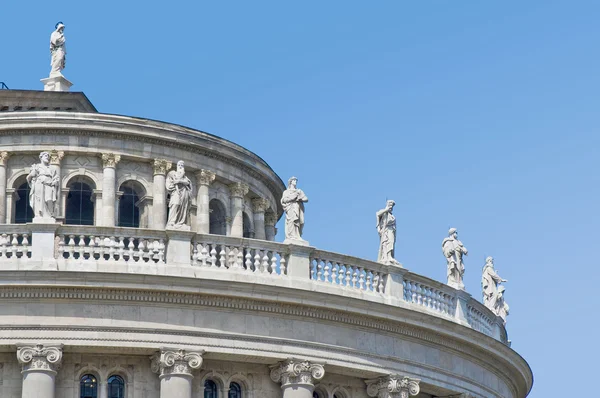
[(110, 160), (238, 189), (393, 386), (4, 158), (40, 358), (180, 362), (161, 166), (295, 371), (56, 157), (205, 177), (260, 205)]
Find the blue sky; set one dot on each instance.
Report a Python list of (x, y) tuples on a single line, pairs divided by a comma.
[(474, 114)]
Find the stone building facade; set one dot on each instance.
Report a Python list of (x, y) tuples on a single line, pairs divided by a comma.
[(107, 303)]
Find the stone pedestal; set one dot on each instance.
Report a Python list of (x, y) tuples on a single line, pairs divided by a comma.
[(297, 377), (238, 191), (56, 83), (393, 386), (40, 364), (43, 231), (179, 246), (462, 312), (175, 369), (204, 179), (299, 261)]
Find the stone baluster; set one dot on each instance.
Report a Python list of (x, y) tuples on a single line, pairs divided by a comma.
[(3, 202), (159, 203), (270, 221), (40, 364), (393, 386), (204, 179), (297, 377), (238, 191), (259, 206), (175, 368), (109, 194), (55, 158)]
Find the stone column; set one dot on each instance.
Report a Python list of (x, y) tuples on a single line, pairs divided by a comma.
[(393, 386), (109, 198), (55, 158), (97, 201), (175, 369), (10, 204), (228, 221), (238, 191), (3, 205), (270, 221), (259, 206), (297, 377), (204, 179), (40, 364), (159, 195)]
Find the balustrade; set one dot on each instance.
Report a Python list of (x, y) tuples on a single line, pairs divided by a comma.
[(14, 244), (422, 293), (477, 318)]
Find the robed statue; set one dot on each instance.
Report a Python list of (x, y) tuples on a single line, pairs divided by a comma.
[(179, 188), (58, 50), (293, 200), (454, 251), (386, 227), (493, 292), (43, 187)]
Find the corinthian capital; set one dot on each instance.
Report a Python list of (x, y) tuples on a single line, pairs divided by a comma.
[(40, 358), (260, 205), (178, 362), (110, 160), (205, 177), (161, 166), (56, 157), (296, 371), (238, 189), (393, 386), (4, 158)]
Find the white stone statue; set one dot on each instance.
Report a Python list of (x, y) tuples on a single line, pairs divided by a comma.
[(43, 183), (454, 251), (58, 50), (180, 189), (493, 292), (386, 227), (293, 200)]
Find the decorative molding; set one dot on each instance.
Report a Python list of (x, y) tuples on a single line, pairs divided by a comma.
[(161, 166), (4, 158), (294, 371), (393, 386), (110, 160), (205, 177), (56, 157), (180, 362), (260, 205), (40, 358), (238, 189)]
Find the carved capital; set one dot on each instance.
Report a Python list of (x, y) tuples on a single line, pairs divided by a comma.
[(180, 362), (161, 166), (56, 157), (270, 219), (205, 177), (295, 371), (393, 386), (260, 205), (4, 158), (40, 358), (110, 160), (238, 189)]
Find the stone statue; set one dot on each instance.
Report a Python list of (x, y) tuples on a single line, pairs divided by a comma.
[(454, 251), (493, 292), (293, 200), (43, 183), (58, 50), (386, 227), (180, 189)]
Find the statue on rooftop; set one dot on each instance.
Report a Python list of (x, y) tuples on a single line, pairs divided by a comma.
[(58, 50), (493, 292), (179, 188), (293, 200), (386, 227), (454, 251), (43, 183)]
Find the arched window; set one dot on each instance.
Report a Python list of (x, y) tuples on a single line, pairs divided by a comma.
[(79, 208), (129, 212), (23, 211), (218, 224), (316, 395), (210, 389), (235, 391), (248, 232), (116, 387), (88, 386)]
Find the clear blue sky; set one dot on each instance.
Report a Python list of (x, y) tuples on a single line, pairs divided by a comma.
[(479, 115)]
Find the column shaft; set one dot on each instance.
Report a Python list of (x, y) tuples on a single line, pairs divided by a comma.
[(204, 178), (159, 203), (238, 190), (40, 365), (259, 206), (270, 220), (297, 377), (109, 192), (175, 369), (3, 204)]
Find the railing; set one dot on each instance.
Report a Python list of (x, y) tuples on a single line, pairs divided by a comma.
[(14, 243), (479, 318), (432, 295)]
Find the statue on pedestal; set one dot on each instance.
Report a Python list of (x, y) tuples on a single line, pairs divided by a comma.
[(58, 50), (179, 188), (386, 227), (454, 251), (493, 292), (43, 183), (293, 200)]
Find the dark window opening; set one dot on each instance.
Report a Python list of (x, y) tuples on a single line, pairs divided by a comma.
[(79, 207)]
